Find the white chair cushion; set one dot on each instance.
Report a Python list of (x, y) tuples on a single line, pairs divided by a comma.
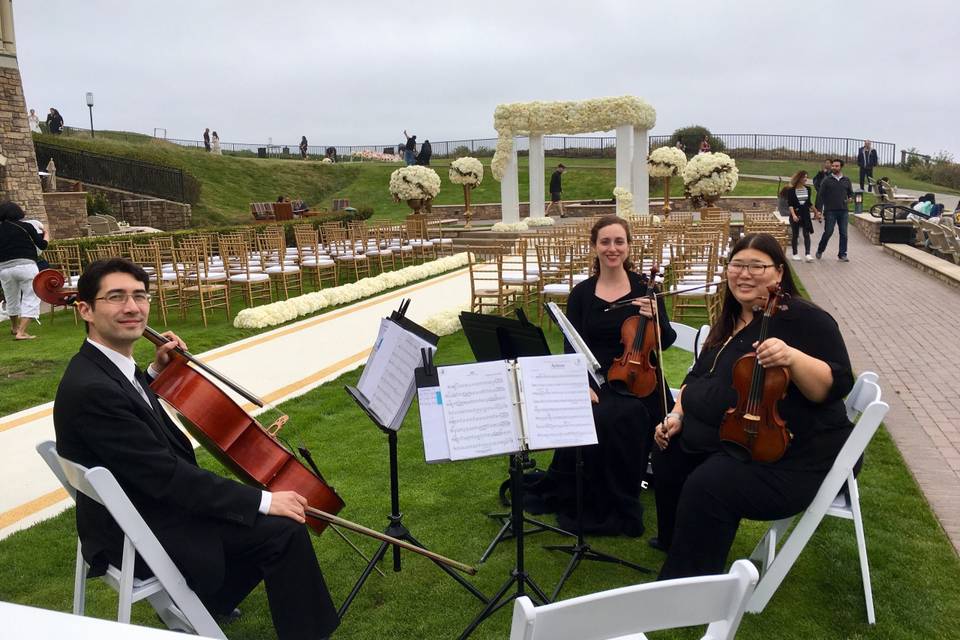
[(556, 288), (277, 269), (253, 277), (517, 278)]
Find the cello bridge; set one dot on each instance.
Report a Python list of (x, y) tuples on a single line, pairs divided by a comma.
[(274, 428), (751, 417)]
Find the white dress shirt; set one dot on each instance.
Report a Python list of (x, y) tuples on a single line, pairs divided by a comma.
[(128, 368)]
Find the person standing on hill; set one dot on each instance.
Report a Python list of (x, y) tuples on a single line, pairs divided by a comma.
[(206, 139), (410, 149), (215, 144), (34, 121), (556, 189), (304, 145), (867, 160), (426, 151), (832, 198), (54, 122)]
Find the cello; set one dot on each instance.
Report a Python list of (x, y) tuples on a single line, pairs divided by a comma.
[(234, 437), (754, 425)]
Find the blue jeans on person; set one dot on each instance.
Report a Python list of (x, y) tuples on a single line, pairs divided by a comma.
[(408, 157), (839, 218)]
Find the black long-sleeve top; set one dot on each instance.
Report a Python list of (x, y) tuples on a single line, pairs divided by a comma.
[(819, 428), (19, 240), (833, 193)]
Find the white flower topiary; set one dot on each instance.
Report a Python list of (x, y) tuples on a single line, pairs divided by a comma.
[(510, 226), (414, 183), (327, 161), (468, 171), (666, 162), (624, 201), (710, 175), (571, 117), (269, 315)]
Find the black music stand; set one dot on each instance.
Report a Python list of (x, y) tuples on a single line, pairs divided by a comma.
[(396, 528), (498, 338), (582, 550)]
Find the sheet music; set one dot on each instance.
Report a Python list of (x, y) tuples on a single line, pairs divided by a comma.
[(479, 410), (432, 424), (387, 380), (579, 345), (556, 402)]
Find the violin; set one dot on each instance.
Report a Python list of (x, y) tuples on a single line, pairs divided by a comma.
[(638, 365), (234, 437), (754, 425)]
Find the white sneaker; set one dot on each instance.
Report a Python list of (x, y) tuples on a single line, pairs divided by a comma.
[(795, 256), (809, 258)]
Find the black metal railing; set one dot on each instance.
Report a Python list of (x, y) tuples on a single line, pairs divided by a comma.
[(737, 145), (149, 179)]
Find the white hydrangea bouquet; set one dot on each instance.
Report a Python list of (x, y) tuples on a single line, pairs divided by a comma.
[(466, 171), (708, 176), (543, 221), (414, 183), (666, 162)]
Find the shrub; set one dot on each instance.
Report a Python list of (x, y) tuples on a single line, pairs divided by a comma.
[(98, 204), (691, 136), (946, 174)]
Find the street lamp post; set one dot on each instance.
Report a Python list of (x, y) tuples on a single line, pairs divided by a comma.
[(90, 106)]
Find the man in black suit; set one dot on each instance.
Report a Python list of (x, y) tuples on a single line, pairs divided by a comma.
[(866, 160), (223, 535)]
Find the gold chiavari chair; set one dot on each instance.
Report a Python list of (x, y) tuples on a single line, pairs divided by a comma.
[(423, 249), (313, 259), (443, 245), (245, 273), (190, 268), (488, 292), (696, 274), (59, 259), (379, 252), (521, 274), (283, 271), (163, 284), (557, 268), (100, 252)]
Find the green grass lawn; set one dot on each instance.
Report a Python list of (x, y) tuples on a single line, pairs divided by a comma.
[(916, 574), (230, 183)]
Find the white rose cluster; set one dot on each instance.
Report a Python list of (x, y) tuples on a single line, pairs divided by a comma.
[(569, 117), (710, 175), (327, 161), (543, 221), (414, 183), (467, 170), (624, 201), (446, 322), (666, 162), (376, 155), (269, 315), (510, 226)]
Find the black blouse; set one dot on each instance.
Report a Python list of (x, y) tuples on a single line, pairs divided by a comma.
[(819, 428), (601, 329)]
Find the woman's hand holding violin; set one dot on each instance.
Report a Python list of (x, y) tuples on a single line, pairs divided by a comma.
[(774, 352), (644, 306)]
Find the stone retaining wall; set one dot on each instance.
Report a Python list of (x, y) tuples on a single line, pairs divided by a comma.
[(66, 213), (137, 209)]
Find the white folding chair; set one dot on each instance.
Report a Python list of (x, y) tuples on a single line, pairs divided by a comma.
[(628, 612), (864, 400), (167, 591), (689, 339)]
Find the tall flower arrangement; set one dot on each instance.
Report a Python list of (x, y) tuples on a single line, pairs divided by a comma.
[(624, 201), (466, 171), (666, 163), (414, 183), (570, 117), (708, 176)]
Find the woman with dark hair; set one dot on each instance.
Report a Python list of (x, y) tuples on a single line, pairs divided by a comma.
[(799, 204), (704, 488), (614, 467), (54, 122), (304, 146), (19, 242)]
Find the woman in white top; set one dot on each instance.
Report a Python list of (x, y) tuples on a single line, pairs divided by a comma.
[(34, 120)]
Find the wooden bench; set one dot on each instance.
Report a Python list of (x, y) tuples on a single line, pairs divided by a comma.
[(262, 210)]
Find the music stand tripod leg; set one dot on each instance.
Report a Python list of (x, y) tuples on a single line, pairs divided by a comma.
[(582, 550)]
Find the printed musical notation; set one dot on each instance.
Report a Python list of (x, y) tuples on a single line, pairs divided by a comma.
[(478, 406), (557, 410)]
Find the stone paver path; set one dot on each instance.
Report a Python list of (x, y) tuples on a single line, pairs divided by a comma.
[(901, 324)]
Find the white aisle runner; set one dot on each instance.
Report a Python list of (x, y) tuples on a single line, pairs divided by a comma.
[(276, 366)]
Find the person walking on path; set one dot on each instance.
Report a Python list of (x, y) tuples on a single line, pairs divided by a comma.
[(54, 122), (303, 147), (410, 149), (799, 204), (556, 189), (832, 197), (19, 243), (206, 139), (866, 160)]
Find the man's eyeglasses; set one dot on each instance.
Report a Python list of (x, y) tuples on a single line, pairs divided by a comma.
[(753, 268), (120, 297)]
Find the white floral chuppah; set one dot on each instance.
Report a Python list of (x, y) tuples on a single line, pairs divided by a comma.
[(630, 116)]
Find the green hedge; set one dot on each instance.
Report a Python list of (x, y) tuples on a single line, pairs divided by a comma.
[(316, 221)]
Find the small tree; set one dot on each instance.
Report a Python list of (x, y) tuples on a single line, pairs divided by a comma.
[(691, 136)]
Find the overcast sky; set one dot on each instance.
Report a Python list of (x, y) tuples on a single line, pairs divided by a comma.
[(359, 72)]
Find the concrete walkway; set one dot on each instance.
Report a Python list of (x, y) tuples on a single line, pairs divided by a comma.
[(276, 366), (902, 324)]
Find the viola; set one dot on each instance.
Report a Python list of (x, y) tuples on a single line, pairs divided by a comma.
[(754, 426), (637, 367), (234, 437)]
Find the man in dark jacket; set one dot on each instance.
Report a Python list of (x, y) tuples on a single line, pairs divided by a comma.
[(832, 197), (556, 189), (223, 535), (426, 151), (866, 160)]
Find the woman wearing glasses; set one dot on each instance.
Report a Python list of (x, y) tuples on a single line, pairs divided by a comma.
[(704, 489)]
